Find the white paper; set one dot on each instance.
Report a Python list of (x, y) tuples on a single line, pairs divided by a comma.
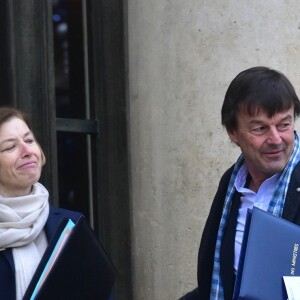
[(292, 285)]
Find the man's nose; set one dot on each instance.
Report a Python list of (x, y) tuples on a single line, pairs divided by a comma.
[(274, 136)]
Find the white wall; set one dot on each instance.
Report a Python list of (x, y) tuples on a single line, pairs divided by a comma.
[(182, 56)]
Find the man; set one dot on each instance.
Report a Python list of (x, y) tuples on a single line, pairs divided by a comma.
[(258, 112)]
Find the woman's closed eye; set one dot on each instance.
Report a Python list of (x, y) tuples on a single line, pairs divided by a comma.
[(8, 148), (29, 141), (11, 147)]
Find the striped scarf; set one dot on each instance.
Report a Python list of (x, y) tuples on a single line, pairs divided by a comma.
[(275, 207)]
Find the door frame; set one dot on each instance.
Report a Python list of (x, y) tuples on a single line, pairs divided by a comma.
[(27, 82)]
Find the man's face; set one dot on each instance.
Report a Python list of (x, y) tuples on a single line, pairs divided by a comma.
[(267, 143)]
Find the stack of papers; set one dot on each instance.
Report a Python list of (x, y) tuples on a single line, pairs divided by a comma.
[(74, 266), (292, 285), (54, 255)]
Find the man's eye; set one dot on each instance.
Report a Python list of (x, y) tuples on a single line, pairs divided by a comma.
[(283, 126), (258, 130)]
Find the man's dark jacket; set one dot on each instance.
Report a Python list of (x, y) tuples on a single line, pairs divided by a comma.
[(7, 268), (291, 212)]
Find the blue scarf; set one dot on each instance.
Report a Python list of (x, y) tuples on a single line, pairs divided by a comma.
[(275, 207)]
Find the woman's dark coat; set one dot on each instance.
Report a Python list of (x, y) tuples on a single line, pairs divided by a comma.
[(7, 268)]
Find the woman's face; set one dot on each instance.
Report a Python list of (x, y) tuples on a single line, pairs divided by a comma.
[(20, 158)]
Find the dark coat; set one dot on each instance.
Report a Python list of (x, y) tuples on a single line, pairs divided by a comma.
[(7, 268), (291, 212)]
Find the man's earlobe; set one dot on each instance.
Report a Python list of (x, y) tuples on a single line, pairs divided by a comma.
[(232, 136), (236, 143)]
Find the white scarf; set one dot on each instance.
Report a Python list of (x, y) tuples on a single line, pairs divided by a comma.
[(22, 220)]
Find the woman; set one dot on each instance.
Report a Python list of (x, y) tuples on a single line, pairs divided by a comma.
[(27, 222)]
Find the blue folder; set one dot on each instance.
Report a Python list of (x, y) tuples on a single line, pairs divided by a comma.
[(270, 250)]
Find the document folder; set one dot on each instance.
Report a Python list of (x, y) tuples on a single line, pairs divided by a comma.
[(270, 250), (82, 270)]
